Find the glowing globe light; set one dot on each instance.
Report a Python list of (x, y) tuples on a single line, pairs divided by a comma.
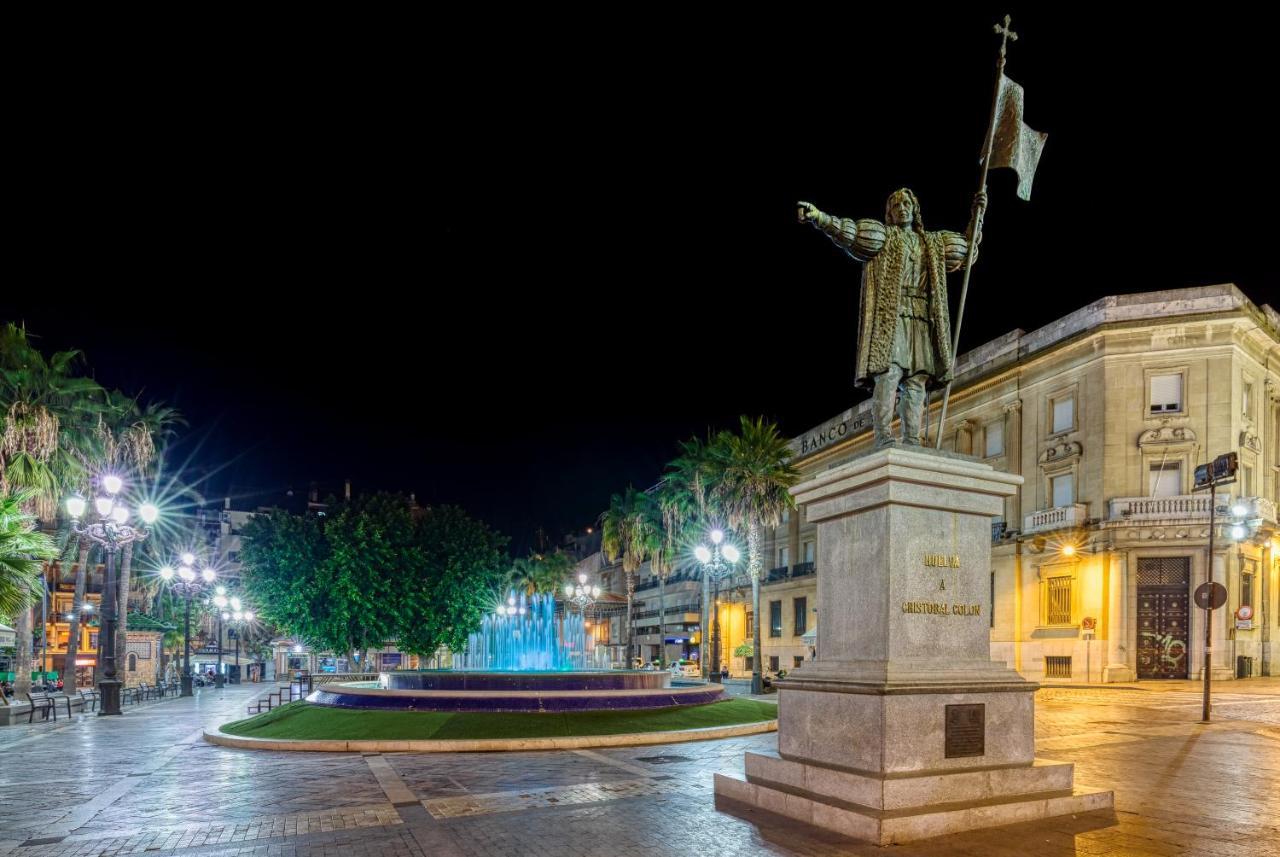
[(226, 616), (702, 553), (221, 590), (717, 536), (104, 505), (209, 575), (1237, 532), (1068, 550), (188, 559), (112, 484), (220, 600), (235, 603), (148, 513), (187, 573), (238, 616), (75, 506), (120, 514), (1239, 510), (248, 615), (731, 553), (568, 589), (166, 574)]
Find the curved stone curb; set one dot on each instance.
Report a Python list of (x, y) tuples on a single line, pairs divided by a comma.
[(489, 745)]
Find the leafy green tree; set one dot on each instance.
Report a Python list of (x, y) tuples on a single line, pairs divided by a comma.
[(543, 573), (283, 558), (751, 475), (371, 573), (459, 563)]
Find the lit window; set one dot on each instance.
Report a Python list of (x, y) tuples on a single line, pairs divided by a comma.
[(1165, 479), (1166, 393), (995, 439), (775, 618), (1063, 489), (1064, 413), (1059, 612)]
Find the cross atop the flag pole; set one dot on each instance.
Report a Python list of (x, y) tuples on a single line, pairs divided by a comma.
[(1008, 35)]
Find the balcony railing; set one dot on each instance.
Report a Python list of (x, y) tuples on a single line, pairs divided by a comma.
[(1259, 507), (1180, 507), (1056, 518)]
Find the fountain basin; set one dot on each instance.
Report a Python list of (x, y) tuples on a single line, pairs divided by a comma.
[(545, 699), (511, 680)]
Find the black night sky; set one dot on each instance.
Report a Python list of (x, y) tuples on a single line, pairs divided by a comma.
[(511, 271)]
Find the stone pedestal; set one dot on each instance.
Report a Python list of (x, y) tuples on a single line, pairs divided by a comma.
[(904, 728)]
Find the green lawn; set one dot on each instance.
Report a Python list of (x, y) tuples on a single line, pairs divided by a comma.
[(301, 720)]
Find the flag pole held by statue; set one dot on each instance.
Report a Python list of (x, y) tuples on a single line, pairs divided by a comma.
[(1010, 143)]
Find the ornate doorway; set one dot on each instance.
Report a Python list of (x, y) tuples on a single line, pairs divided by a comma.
[(1164, 593)]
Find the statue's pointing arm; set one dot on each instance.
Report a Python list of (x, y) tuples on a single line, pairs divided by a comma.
[(861, 239)]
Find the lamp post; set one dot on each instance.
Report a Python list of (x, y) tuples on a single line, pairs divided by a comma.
[(112, 530), (717, 561), (581, 594), (220, 601), (240, 620), (186, 581)]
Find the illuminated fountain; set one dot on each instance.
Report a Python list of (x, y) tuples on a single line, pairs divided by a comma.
[(524, 657), (525, 634)]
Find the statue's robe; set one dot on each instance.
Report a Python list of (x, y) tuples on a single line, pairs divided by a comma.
[(903, 315)]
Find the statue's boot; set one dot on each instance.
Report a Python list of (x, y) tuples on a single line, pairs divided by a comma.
[(911, 407)]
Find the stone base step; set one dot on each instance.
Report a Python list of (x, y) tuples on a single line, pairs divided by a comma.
[(888, 827)]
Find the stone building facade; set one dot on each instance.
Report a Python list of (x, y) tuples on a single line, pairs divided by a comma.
[(1105, 413)]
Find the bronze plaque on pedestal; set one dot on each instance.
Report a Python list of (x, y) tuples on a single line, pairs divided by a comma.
[(966, 730)]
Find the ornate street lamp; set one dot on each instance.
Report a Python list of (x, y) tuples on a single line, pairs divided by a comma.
[(717, 562), (581, 594), (240, 619), (187, 583), (113, 531)]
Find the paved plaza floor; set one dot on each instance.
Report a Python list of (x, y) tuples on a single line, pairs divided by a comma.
[(145, 783)]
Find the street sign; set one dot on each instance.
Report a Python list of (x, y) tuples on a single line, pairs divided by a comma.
[(1244, 612), (1210, 596), (1244, 624)]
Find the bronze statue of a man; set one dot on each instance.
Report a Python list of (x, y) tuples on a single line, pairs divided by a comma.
[(904, 325)]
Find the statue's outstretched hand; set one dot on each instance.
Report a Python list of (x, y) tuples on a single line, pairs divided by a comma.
[(807, 212)]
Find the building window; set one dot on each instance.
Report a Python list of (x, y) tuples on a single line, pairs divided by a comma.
[(1166, 393), (801, 615), (133, 662), (784, 556), (1064, 414), (786, 516), (797, 660), (773, 663), (751, 624), (1246, 587), (775, 618), (1246, 480), (1165, 479), (1063, 489), (93, 640), (995, 439), (1057, 666), (1059, 612), (808, 551), (1246, 400), (751, 663)]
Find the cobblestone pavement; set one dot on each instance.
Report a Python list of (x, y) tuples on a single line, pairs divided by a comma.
[(145, 783)]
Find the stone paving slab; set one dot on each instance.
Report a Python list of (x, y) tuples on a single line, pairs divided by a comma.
[(1181, 789)]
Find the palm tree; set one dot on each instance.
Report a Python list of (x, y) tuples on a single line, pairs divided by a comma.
[(629, 532), (23, 552), (687, 511), (752, 475), (45, 410), (541, 573), (129, 437)]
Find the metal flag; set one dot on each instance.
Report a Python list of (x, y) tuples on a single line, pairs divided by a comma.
[(1015, 145)]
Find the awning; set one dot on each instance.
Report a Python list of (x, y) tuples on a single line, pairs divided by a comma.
[(810, 637)]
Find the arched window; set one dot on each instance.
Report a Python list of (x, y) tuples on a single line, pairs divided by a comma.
[(133, 662)]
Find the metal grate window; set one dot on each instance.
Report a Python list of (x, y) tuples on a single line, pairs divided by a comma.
[(1057, 667), (1164, 571), (1059, 601)]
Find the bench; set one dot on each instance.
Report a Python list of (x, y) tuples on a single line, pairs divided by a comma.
[(45, 703), (86, 697)]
